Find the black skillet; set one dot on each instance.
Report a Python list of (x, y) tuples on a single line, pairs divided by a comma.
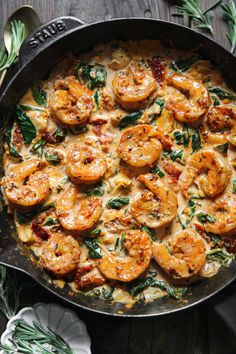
[(38, 55)]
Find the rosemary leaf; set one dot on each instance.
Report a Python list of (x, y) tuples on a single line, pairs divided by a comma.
[(229, 11)]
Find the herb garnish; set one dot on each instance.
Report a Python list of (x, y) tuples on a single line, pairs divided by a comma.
[(130, 119), (26, 126), (25, 217), (223, 148), (12, 149), (221, 93), (11, 287), (229, 11), (184, 64), (150, 232), (196, 140), (94, 251), (138, 286), (93, 75), (53, 158), (192, 205), (219, 255), (18, 35), (204, 217), (117, 203), (157, 171), (174, 154), (191, 8), (35, 339), (38, 147), (40, 96)]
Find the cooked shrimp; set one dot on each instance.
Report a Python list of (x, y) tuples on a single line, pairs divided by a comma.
[(77, 217), (139, 146), (181, 257), (224, 210), (222, 123), (85, 163), (72, 102), (155, 212), (222, 119), (213, 171), (60, 254), (133, 86), (28, 193), (122, 267), (193, 102)]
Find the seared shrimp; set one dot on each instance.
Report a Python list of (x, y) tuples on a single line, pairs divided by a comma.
[(85, 163), (224, 210), (124, 267), (77, 217), (213, 169), (139, 146), (222, 123), (193, 102), (60, 254), (181, 257), (155, 212), (72, 102), (31, 192), (133, 86)]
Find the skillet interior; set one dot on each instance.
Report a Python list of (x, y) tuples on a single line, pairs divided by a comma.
[(81, 40)]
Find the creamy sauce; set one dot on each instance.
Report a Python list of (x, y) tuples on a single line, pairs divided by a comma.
[(102, 130)]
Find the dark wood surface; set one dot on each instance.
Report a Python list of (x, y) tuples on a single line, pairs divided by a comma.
[(196, 331)]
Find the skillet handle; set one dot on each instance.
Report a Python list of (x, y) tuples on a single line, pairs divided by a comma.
[(45, 35)]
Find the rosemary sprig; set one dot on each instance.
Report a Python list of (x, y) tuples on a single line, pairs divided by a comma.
[(35, 339), (11, 286), (18, 35), (191, 8), (229, 11)]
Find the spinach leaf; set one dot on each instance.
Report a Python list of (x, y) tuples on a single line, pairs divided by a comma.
[(93, 75), (12, 149), (161, 104), (76, 130), (40, 96), (204, 217), (174, 154), (104, 293), (150, 232), (26, 126), (94, 251), (192, 204), (157, 171), (216, 102), (219, 255), (95, 232), (184, 64), (25, 217), (117, 203), (96, 99), (50, 221), (196, 140), (27, 107), (222, 148), (97, 190), (38, 147), (130, 119), (183, 137), (222, 94), (175, 292), (53, 158)]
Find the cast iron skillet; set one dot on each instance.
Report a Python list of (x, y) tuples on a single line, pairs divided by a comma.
[(38, 55)]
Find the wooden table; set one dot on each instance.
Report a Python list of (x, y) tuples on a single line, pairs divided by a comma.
[(196, 331)]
